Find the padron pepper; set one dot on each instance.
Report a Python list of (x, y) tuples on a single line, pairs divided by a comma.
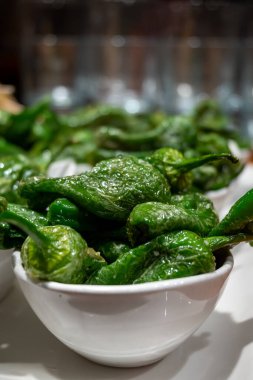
[(14, 168), (58, 253), (177, 168), (52, 253), (188, 256), (238, 219), (112, 250), (64, 212), (190, 211), (168, 131), (110, 190), (14, 236), (114, 186), (184, 251)]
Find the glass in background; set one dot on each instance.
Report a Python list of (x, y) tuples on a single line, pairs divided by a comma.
[(121, 71), (50, 31), (140, 55), (196, 68), (51, 62)]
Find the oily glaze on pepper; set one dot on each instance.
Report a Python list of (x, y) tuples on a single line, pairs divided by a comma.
[(14, 236), (193, 211), (238, 219), (186, 253), (110, 190)]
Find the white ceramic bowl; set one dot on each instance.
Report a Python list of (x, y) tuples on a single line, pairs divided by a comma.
[(6, 272), (124, 325)]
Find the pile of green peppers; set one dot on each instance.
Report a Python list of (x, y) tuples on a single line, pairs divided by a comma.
[(97, 132), (140, 214), (129, 220)]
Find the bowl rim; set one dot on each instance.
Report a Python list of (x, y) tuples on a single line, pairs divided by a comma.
[(148, 287)]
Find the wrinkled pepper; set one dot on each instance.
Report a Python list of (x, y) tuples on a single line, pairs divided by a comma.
[(52, 253), (186, 252), (110, 190), (14, 236), (238, 219), (193, 211), (177, 168)]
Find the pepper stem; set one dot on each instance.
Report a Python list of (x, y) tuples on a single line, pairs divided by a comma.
[(217, 242), (19, 219), (191, 163)]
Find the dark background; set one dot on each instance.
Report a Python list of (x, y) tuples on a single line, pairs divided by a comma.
[(19, 19)]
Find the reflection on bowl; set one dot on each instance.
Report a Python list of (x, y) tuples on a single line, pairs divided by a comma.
[(124, 325), (6, 272)]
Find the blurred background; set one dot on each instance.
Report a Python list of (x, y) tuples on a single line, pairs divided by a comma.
[(137, 54)]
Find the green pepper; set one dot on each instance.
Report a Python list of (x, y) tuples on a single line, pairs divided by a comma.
[(177, 169), (208, 115), (55, 253), (17, 128), (193, 211), (113, 138), (10, 236), (64, 212), (126, 267), (14, 168), (52, 253), (190, 255), (238, 219), (92, 116), (218, 242), (168, 131), (110, 190), (112, 250), (181, 255), (186, 252), (8, 149)]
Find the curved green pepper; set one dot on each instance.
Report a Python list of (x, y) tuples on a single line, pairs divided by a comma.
[(112, 250), (110, 190), (14, 168), (177, 168), (167, 131), (51, 253), (238, 219), (114, 138), (94, 116), (189, 256), (8, 149), (218, 242), (183, 255), (55, 253), (186, 253), (62, 211), (194, 212), (10, 236)]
